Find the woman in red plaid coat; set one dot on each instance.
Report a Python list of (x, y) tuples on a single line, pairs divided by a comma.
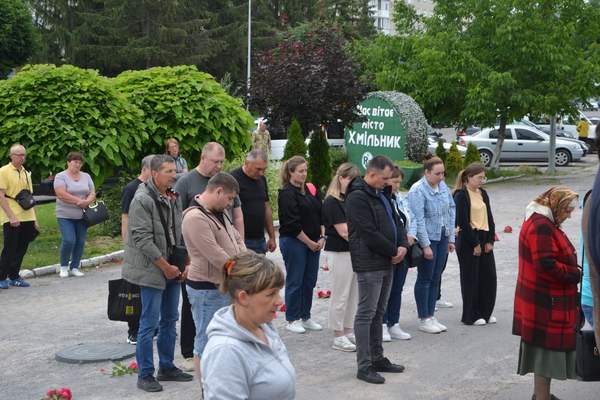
[(546, 307)]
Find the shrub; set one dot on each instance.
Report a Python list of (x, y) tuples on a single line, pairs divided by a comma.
[(189, 105), (111, 196), (319, 163), (53, 110), (472, 155), (338, 156), (454, 162), (295, 145), (440, 151)]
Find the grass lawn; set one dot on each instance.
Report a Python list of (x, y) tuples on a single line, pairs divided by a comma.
[(45, 249)]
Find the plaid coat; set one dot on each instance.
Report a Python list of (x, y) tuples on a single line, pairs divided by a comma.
[(546, 299)]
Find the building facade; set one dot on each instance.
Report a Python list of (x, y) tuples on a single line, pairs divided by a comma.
[(382, 12)]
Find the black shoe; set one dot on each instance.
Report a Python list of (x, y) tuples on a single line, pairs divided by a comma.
[(173, 374), (149, 384), (370, 376), (385, 365), (132, 339)]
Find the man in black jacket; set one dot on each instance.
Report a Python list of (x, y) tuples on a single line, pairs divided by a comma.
[(378, 241)]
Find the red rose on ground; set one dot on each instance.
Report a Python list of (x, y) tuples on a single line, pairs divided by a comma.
[(133, 365), (508, 229), (282, 309)]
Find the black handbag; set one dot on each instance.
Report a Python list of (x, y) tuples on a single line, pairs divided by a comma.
[(95, 214), (124, 301), (24, 198), (415, 256)]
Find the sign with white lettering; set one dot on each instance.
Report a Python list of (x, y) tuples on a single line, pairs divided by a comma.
[(380, 133)]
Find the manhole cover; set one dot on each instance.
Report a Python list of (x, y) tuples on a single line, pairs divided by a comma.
[(95, 352)]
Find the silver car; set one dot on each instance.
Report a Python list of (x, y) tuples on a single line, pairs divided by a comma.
[(522, 143)]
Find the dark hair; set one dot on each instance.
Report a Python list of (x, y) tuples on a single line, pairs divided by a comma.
[(397, 172), (75, 155), (430, 161), (464, 175), (223, 180), (379, 163), (158, 160)]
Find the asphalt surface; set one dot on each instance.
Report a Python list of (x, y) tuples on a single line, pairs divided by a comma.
[(466, 363)]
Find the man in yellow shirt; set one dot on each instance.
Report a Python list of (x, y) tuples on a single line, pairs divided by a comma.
[(583, 128), (19, 225)]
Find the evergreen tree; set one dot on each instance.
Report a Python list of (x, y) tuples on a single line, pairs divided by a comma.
[(295, 145), (319, 161), (440, 150), (472, 155), (454, 162), (17, 35)]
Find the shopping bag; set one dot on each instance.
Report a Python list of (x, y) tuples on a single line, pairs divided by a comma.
[(124, 301)]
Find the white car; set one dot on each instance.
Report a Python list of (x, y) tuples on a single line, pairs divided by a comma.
[(568, 125), (523, 143), (433, 145)]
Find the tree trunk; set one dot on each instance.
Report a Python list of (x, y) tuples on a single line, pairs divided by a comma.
[(501, 133), (552, 149)]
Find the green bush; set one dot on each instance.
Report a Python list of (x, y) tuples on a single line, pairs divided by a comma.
[(338, 156), (472, 155), (440, 150), (454, 162), (53, 110), (189, 105), (111, 196), (319, 163), (295, 145)]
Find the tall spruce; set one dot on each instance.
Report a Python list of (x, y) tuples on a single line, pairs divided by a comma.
[(319, 161), (295, 145)]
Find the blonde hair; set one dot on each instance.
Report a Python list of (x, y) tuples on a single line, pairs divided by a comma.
[(290, 166), (252, 273), (169, 142), (346, 170)]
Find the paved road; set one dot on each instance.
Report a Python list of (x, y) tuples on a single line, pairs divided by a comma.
[(466, 363)]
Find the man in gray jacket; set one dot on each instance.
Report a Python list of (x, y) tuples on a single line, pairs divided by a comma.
[(145, 264)]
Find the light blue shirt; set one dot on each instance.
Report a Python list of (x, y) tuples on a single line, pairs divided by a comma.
[(432, 212)]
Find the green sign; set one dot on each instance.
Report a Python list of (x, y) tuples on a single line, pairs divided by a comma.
[(381, 133)]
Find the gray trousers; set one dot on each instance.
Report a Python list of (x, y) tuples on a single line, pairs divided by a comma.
[(373, 294)]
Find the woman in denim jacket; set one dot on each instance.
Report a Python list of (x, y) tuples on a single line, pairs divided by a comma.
[(433, 217)]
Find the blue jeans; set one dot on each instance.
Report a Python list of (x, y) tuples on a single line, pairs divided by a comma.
[(205, 303), (256, 245), (302, 268), (588, 312), (73, 233), (392, 312), (429, 277), (159, 309)]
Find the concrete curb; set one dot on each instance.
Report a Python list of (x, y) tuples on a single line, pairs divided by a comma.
[(504, 179), (87, 263)]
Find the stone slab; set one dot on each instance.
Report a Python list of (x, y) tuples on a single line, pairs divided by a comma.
[(84, 353)]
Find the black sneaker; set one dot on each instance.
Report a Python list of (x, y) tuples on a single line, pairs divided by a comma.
[(385, 365), (370, 376), (173, 374), (132, 339), (149, 384)]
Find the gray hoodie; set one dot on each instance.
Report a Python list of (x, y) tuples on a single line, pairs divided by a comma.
[(236, 365)]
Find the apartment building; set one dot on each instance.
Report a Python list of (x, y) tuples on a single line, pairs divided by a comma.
[(382, 12)]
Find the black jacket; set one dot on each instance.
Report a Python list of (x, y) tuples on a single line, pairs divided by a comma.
[(370, 231), (463, 219), (299, 212)]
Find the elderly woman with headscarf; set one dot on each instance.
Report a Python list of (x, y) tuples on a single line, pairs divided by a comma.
[(546, 300)]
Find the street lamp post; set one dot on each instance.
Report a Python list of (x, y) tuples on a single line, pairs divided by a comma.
[(249, 54)]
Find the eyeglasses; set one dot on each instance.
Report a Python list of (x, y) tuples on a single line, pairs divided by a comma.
[(482, 179), (19, 154)]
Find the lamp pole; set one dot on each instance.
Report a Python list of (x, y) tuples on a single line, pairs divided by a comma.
[(249, 54)]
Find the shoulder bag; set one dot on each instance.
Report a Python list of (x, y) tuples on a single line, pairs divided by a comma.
[(95, 213), (24, 198)]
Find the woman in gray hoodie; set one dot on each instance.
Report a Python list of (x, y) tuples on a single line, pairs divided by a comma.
[(245, 357)]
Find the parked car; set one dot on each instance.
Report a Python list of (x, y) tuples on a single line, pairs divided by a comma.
[(522, 143), (559, 134), (335, 138), (468, 131), (433, 145), (566, 124)]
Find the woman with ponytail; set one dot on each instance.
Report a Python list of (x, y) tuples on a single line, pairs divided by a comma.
[(475, 246)]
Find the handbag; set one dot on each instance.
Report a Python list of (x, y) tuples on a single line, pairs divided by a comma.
[(587, 355), (124, 301), (415, 256), (95, 213), (24, 198)]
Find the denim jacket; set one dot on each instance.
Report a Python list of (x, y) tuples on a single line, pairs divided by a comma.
[(431, 211)]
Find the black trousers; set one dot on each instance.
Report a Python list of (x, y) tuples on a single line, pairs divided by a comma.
[(186, 326), (477, 281), (16, 241)]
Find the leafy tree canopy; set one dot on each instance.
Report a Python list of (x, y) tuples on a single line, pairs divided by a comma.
[(17, 35)]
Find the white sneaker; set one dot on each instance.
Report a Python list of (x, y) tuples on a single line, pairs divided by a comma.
[(479, 322), (76, 272), (295, 326), (397, 333), (64, 272), (188, 365), (311, 325), (428, 326), (492, 320), (385, 334), (442, 327), (443, 304), (342, 343), (351, 338)]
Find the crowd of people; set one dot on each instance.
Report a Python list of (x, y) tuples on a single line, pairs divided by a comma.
[(199, 234)]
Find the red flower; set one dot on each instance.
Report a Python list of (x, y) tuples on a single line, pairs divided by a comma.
[(66, 393), (51, 392), (508, 229), (282, 308), (133, 365)]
